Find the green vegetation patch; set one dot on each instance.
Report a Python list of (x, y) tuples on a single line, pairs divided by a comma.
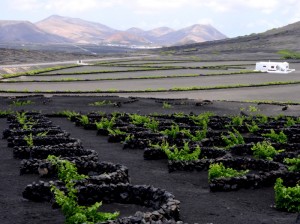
[(101, 103), (287, 198), (125, 78), (276, 137), (265, 150), (288, 54), (68, 201), (218, 170), (293, 164), (19, 103), (37, 71)]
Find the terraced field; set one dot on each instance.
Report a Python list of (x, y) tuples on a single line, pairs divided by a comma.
[(120, 74), (91, 69), (167, 78)]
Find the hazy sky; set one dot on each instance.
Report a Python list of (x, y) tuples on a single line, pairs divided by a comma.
[(231, 17)]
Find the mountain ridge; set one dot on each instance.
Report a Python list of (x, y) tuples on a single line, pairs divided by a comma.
[(76, 30), (267, 43), (25, 31)]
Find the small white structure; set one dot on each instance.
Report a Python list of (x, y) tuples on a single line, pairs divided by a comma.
[(273, 67), (80, 62)]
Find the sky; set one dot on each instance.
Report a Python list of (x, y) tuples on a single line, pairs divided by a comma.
[(231, 17)]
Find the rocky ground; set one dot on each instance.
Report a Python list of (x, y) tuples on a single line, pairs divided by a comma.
[(198, 204)]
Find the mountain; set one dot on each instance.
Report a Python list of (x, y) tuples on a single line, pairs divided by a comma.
[(160, 31), (77, 30), (26, 32), (126, 38), (136, 31), (167, 36), (81, 31), (59, 29), (152, 36), (265, 44), (192, 34)]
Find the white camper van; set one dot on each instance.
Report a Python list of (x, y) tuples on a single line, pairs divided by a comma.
[(273, 67)]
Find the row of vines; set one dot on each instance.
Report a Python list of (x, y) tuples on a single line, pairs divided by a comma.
[(73, 179), (238, 151)]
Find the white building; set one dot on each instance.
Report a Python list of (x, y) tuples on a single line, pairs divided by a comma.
[(80, 62), (273, 67)]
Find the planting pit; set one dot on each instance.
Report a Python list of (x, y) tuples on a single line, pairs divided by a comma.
[(198, 203), (164, 207), (162, 204)]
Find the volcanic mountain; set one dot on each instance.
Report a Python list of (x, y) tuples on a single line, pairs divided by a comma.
[(76, 30), (270, 42), (26, 32), (81, 31)]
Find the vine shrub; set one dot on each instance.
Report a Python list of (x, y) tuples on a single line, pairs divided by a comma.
[(29, 140), (280, 137), (21, 117), (146, 121), (287, 198), (152, 125), (173, 153), (202, 119), (261, 119), (237, 121), (116, 132), (183, 154), (84, 120), (264, 150), (19, 103), (163, 146), (139, 119), (5, 112), (69, 114), (198, 136), (173, 132), (253, 127), (166, 105), (293, 164), (290, 122), (101, 103), (105, 123), (234, 138), (74, 213), (23, 120), (218, 170)]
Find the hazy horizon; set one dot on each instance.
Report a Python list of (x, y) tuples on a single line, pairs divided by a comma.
[(231, 17)]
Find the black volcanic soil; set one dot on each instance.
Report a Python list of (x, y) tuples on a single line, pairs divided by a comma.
[(198, 204), (20, 56)]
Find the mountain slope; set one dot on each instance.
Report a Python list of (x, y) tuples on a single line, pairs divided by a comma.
[(271, 41), (168, 36), (192, 34), (77, 30), (160, 31), (126, 39), (26, 32)]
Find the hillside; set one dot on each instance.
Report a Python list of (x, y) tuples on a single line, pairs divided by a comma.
[(76, 30), (126, 38), (268, 43), (192, 34), (26, 32)]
